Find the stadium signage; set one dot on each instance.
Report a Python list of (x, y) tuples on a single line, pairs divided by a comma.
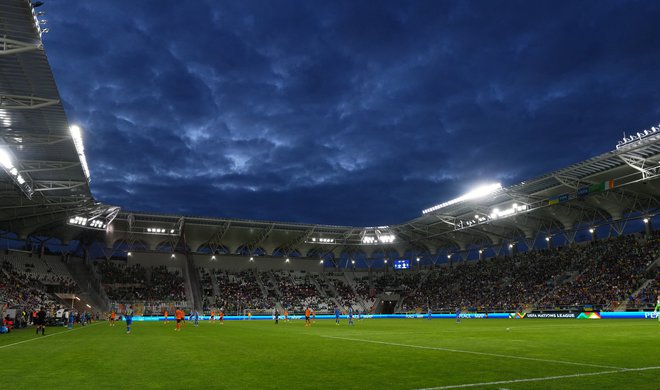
[(550, 315), (538, 314)]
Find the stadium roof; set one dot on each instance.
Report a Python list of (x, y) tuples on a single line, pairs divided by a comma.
[(45, 190)]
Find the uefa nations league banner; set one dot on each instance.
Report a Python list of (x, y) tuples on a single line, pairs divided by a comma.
[(588, 315)]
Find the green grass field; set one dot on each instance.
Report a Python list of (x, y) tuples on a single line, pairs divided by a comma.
[(385, 354)]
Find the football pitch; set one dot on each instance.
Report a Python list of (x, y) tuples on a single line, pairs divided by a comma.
[(385, 354)]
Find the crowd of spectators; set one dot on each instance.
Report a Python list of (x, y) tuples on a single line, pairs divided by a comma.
[(298, 291), (17, 289), (239, 291), (137, 284), (601, 273), (610, 271)]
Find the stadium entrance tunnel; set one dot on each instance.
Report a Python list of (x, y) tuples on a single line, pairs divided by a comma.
[(388, 307)]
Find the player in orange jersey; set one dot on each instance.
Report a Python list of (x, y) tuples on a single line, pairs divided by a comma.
[(212, 319), (178, 314), (286, 315), (222, 317), (112, 318), (165, 317), (307, 315)]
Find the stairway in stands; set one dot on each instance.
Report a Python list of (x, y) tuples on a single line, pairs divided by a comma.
[(88, 283), (195, 285)]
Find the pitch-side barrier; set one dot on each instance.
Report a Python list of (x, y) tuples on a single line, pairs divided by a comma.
[(591, 315)]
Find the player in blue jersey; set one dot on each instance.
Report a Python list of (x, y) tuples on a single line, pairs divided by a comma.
[(72, 318), (429, 313), (128, 315), (195, 316), (458, 315), (657, 308), (337, 315), (350, 316)]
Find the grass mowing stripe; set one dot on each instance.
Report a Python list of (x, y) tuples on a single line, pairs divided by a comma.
[(545, 378), (474, 352), (43, 337)]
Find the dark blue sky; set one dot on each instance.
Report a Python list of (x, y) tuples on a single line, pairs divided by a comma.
[(344, 112)]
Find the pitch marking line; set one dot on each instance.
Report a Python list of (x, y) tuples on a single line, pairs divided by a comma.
[(43, 337), (476, 353), (545, 378)]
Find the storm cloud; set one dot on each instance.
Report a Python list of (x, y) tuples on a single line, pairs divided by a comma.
[(344, 112)]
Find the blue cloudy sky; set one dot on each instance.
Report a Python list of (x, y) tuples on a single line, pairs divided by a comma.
[(344, 112)]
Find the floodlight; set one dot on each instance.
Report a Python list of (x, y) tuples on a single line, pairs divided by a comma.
[(591, 230), (212, 257), (646, 220), (474, 194), (251, 258), (77, 299), (547, 238), (321, 261), (5, 160), (12, 171), (352, 261), (76, 135), (173, 256), (130, 254), (287, 259)]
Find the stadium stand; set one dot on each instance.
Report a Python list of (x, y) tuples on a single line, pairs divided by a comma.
[(153, 287)]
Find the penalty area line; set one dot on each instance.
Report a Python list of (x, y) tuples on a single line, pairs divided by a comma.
[(541, 379), (48, 335), (475, 352)]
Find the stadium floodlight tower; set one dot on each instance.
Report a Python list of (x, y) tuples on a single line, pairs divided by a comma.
[(478, 192), (96, 217)]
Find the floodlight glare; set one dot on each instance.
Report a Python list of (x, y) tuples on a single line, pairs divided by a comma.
[(76, 135), (8, 165), (474, 194), (5, 160)]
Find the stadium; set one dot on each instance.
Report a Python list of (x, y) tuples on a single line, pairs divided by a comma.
[(552, 282)]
